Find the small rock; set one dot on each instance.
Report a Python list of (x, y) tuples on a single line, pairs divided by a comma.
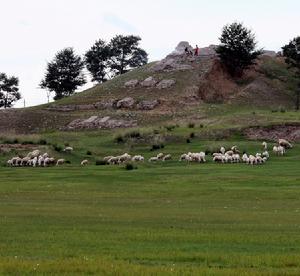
[(147, 105), (131, 84), (165, 84), (106, 104), (127, 102), (149, 82)]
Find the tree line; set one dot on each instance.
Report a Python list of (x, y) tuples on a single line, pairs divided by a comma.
[(106, 60)]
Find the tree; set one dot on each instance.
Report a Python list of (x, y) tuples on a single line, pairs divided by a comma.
[(291, 52), (96, 60), (125, 54), (9, 91), (64, 74), (238, 48)]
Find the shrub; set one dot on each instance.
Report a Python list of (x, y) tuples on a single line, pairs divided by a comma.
[(42, 142), (67, 144), (192, 135), (169, 128), (201, 126), (89, 152), (101, 163), (28, 143), (58, 148), (68, 162), (188, 141), (274, 110), (157, 147), (282, 110), (130, 167), (119, 139), (191, 125)]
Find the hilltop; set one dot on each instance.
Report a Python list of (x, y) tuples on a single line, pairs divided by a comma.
[(177, 89)]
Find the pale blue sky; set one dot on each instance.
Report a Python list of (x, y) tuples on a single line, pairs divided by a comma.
[(34, 30)]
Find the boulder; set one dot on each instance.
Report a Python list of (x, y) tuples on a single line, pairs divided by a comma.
[(147, 105), (127, 102), (106, 104), (95, 122), (165, 84), (131, 84), (149, 82), (180, 49)]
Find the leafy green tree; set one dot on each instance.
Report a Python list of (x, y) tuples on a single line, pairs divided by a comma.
[(9, 90), (291, 52), (237, 50), (126, 54), (119, 56), (96, 60), (64, 74)]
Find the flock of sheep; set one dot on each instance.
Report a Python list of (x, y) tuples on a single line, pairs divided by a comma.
[(38, 159), (231, 156)]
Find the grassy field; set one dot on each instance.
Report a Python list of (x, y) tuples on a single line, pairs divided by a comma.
[(161, 219)]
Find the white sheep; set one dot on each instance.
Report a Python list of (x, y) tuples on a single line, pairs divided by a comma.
[(138, 158), (60, 162), (167, 157), (160, 156), (284, 143), (222, 150), (265, 146), (266, 154), (84, 163), (153, 159), (68, 150)]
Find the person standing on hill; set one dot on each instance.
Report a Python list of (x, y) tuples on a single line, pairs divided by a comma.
[(197, 51)]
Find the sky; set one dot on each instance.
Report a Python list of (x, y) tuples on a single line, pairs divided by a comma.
[(32, 31)]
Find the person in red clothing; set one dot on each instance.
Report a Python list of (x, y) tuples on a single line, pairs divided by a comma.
[(197, 51)]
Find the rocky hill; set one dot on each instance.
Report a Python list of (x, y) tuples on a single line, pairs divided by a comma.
[(175, 89)]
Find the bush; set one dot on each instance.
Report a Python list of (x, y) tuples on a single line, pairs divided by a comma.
[(191, 125), (28, 143), (130, 167), (89, 152), (157, 147), (170, 128), (101, 163), (42, 142), (192, 135), (68, 162), (188, 141), (67, 144), (58, 148), (119, 139), (201, 126), (274, 110), (282, 110)]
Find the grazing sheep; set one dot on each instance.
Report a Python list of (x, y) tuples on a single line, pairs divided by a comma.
[(68, 150), (222, 150), (113, 161), (153, 159), (265, 146), (124, 158), (160, 156), (245, 158), (279, 150), (266, 154), (107, 158), (84, 163), (138, 158), (167, 157), (252, 160), (284, 143), (60, 162), (183, 157), (219, 158)]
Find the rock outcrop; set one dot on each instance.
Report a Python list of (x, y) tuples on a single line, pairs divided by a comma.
[(95, 122), (127, 102), (164, 84), (131, 84), (149, 82), (147, 105)]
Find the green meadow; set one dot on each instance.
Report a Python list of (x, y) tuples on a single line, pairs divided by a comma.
[(169, 218)]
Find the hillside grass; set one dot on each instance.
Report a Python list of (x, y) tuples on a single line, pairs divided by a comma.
[(161, 219)]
